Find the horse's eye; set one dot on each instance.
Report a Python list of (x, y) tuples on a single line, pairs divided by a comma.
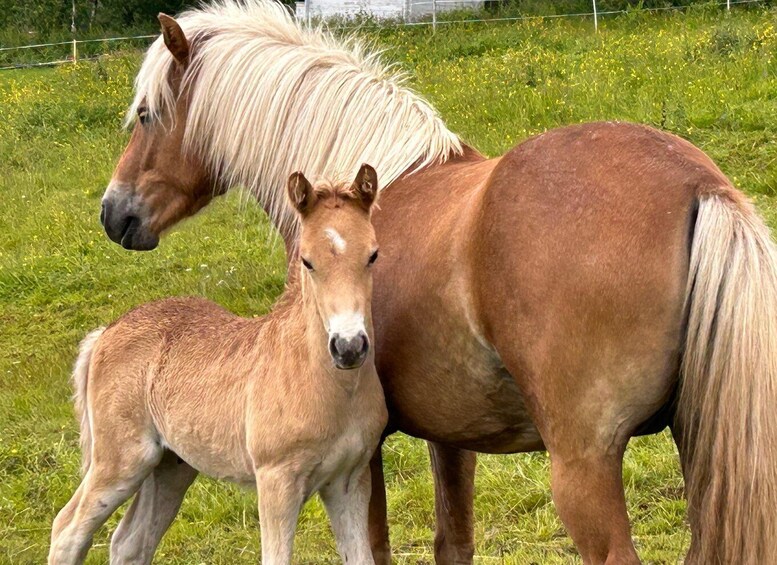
[(143, 115), (373, 257), (307, 264)]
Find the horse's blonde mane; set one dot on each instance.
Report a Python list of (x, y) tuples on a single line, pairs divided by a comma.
[(269, 97)]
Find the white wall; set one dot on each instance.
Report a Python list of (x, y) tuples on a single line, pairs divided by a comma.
[(380, 8), (419, 8)]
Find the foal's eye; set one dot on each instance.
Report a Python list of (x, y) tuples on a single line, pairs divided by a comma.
[(143, 115), (307, 264), (373, 257)]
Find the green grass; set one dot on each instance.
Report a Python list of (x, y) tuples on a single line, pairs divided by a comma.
[(704, 75)]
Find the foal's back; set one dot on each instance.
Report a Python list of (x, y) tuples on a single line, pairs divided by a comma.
[(181, 367)]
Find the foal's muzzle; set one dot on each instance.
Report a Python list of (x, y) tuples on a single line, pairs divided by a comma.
[(124, 225), (349, 352)]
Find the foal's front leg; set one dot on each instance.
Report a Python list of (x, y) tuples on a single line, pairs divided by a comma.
[(281, 496), (347, 501)]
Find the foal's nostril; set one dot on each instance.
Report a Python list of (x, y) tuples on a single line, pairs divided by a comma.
[(365, 344), (359, 343), (333, 346)]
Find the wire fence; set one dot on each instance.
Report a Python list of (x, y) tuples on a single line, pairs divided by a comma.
[(75, 50)]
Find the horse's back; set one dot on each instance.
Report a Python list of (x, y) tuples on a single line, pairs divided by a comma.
[(580, 269)]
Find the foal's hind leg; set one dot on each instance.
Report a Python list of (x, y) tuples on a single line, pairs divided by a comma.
[(153, 510), (347, 502), (115, 473), (454, 499)]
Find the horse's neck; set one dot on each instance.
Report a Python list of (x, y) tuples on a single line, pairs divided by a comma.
[(289, 233)]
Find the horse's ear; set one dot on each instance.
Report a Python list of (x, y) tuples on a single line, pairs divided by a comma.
[(365, 186), (301, 193), (174, 38)]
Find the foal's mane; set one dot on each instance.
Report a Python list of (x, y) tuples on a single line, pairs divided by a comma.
[(268, 97)]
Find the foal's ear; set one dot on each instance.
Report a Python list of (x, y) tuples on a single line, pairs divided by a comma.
[(301, 193), (365, 186), (174, 38)]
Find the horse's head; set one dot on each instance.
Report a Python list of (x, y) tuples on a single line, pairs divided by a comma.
[(337, 249), (156, 182), (227, 97)]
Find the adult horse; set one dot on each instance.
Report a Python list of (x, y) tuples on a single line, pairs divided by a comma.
[(594, 283)]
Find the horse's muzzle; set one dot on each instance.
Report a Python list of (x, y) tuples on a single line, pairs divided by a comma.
[(125, 226), (349, 352)]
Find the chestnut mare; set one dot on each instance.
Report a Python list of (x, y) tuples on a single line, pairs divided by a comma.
[(596, 282), (289, 402)]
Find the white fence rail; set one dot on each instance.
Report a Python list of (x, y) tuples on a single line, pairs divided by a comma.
[(72, 52), (438, 6)]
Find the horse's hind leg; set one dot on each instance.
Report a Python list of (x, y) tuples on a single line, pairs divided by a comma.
[(378, 517), (454, 498), (114, 475), (152, 511), (586, 411), (588, 492)]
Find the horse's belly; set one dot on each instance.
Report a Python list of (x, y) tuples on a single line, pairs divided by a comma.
[(474, 406), (498, 421)]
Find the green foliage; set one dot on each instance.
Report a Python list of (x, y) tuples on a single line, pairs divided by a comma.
[(709, 78), (42, 18)]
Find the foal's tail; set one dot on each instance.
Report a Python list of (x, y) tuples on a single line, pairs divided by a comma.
[(80, 376), (727, 411)]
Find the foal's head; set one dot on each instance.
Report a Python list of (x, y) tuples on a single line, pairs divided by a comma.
[(337, 248)]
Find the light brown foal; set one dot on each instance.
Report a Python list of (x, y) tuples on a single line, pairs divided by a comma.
[(290, 402)]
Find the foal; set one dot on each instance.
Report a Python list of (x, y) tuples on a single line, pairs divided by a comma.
[(289, 402)]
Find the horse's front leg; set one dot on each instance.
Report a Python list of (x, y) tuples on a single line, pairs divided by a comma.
[(454, 499), (378, 515)]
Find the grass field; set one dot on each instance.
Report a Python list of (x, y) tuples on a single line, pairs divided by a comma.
[(705, 75)]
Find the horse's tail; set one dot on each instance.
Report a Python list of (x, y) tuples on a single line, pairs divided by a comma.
[(727, 410), (80, 379)]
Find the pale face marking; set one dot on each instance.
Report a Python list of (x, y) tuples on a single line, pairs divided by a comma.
[(346, 325), (337, 240)]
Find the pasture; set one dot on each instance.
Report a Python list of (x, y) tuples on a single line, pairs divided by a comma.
[(705, 75)]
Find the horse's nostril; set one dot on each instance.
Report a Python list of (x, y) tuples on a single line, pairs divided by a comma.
[(102, 213)]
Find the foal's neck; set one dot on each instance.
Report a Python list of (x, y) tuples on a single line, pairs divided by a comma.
[(295, 317)]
